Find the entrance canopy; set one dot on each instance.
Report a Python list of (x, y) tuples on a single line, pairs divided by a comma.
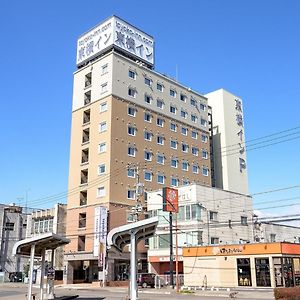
[(121, 236), (48, 241)]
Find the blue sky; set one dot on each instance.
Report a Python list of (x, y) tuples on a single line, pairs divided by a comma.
[(250, 48)]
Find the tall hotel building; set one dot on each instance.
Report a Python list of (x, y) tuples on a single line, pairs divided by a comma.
[(130, 124)]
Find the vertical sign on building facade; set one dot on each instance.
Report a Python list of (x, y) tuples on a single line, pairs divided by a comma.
[(100, 234), (170, 199), (240, 133)]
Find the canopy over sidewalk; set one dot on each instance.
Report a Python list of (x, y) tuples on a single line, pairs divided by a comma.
[(36, 247)]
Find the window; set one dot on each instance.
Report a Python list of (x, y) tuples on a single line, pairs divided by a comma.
[(85, 155), (194, 118), (172, 109), (101, 191), (203, 122), (101, 169), (213, 215), (102, 147), (174, 162), (86, 117), (82, 220), (160, 103), (103, 107), (272, 237), (131, 111), (194, 134), (204, 138), (148, 176), (81, 243), (214, 240), (204, 171), (132, 74), (173, 144), (160, 122), (172, 93), (87, 98), (104, 88), (185, 165), (193, 102), (159, 87), (185, 182), (244, 220), (148, 155), (104, 69), (131, 130), (132, 92), (9, 226), (183, 114), (174, 181), (147, 117), (184, 147), (131, 151), (173, 127), (83, 198), (160, 159), (84, 176), (148, 99), (147, 136), (130, 194), (160, 179), (184, 130), (131, 173), (204, 154), (202, 106), (103, 126), (160, 140), (183, 97), (148, 81), (88, 80), (195, 151), (195, 169)]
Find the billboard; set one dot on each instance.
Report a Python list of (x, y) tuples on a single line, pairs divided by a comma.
[(114, 32), (100, 234), (170, 199)]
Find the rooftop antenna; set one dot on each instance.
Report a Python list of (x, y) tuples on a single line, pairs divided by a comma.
[(176, 73)]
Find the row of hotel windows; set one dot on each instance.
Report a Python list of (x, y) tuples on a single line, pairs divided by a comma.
[(173, 109), (160, 122), (172, 92)]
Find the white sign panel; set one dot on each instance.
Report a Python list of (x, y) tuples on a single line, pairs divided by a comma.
[(100, 229), (115, 32)]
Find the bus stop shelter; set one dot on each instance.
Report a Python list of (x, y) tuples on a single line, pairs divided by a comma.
[(36, 247), (131, 234)]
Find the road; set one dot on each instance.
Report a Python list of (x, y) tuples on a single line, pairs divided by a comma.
[(18, 291)]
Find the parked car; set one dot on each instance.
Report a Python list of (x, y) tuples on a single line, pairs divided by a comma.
[(16, 277), (146, 279)]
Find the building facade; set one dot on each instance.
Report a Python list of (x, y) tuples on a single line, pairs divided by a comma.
[(46, 221), (130, 124), (229, 160), (13, 224), (207, 216)]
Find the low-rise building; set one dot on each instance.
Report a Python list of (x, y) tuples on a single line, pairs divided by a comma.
[(13, 223)]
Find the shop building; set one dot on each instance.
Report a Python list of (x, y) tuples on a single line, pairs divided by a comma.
[(207, 216), (247, 265)]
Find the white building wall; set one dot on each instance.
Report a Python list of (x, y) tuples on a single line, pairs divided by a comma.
[(230, 163)]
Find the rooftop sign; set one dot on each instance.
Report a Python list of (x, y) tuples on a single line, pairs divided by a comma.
[(117, 33)]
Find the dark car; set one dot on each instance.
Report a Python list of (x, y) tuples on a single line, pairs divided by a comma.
[(16, 277), (146, 279)]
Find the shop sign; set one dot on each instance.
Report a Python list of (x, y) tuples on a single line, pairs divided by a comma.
[(227, 250)]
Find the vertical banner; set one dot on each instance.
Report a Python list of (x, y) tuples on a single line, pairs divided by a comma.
[(170, 199), (100, 234)]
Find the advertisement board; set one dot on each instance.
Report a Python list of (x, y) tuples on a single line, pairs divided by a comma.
[(114, 32)]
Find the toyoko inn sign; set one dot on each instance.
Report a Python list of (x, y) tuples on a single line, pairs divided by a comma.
[(115, 32)]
